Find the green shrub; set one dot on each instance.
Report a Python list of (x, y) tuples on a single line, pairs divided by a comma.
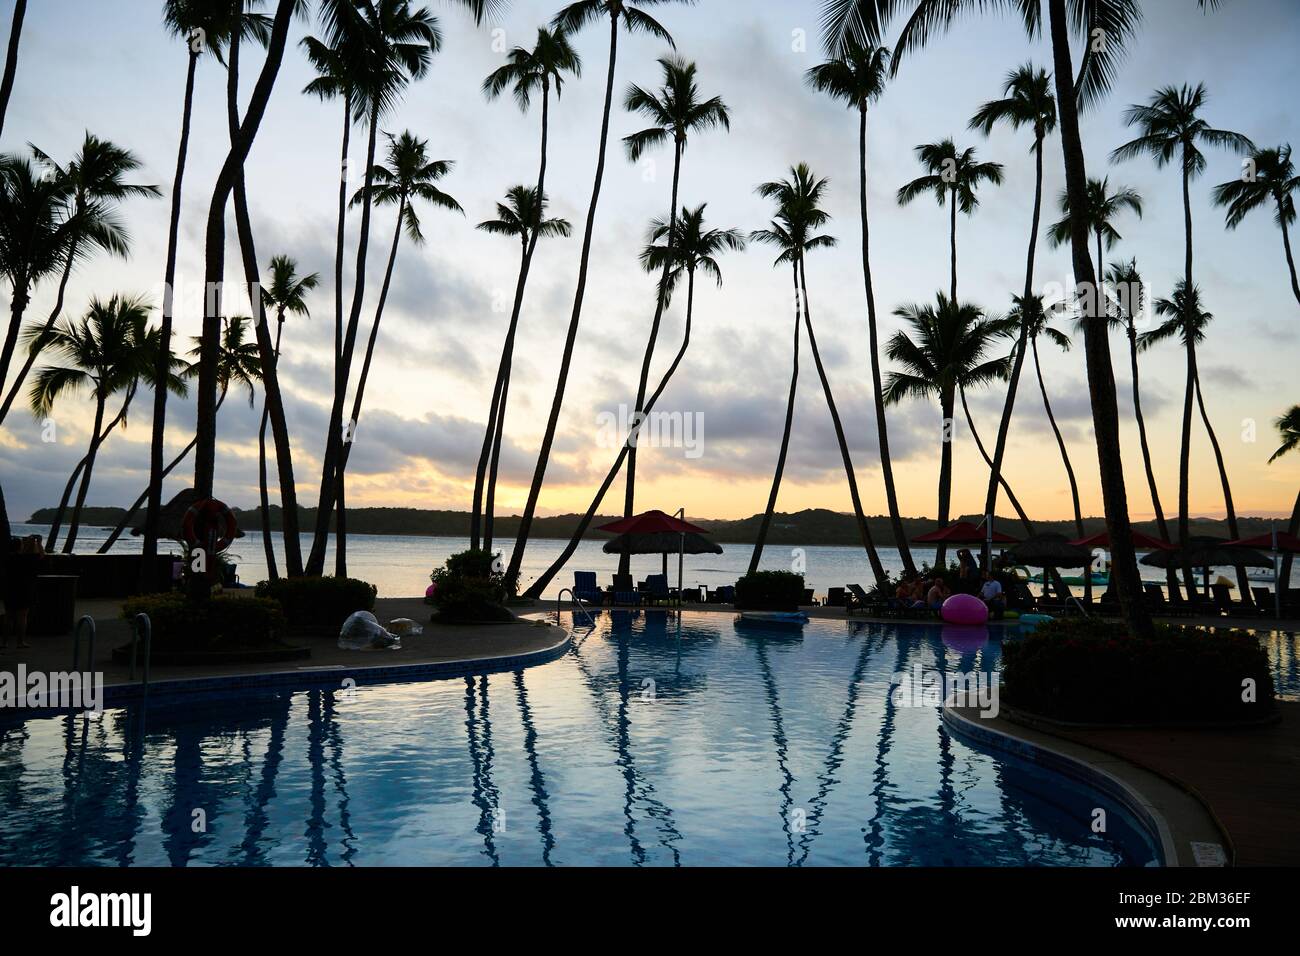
[(770, 591), (1092, 671), (319, 602), (224, 622), (471, 587)]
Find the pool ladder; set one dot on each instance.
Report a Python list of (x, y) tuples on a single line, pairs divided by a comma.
[(576, 603), (141, 630)]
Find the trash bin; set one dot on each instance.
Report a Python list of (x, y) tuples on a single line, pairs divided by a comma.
[(55, 606)]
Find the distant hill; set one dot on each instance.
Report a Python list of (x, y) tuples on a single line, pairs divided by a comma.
[(811, 527)]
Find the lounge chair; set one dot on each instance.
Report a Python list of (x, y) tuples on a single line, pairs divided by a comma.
[(859, 600), (654, 589), (1155, 599), (724, 595), (624, 594), (1223, 602), (1263, 601), (809, 599), (586, 589), (835, 597)]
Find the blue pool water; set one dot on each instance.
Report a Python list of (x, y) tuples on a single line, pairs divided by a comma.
[(654, 742)]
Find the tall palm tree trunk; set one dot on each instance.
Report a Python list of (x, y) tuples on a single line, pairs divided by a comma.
[(11, 60), (1292, 528), (264, 497), (761, 538), (535, 590), (267, 350), (341, 233), (97, 435), (340, 530), (486, 472), (1017, 366), (1185, 453), (150, 543), (214, 266), (882, 425), (552, 423), (629, 494), (330, 474), (1060, 441), (946, 408), (1243, 583), (1161, 524), (1125, 580), (877, 569), (1002, 481), (952, 237), (1290, 260), (96, 439), (485, 476), (21, 297), (55, 312)]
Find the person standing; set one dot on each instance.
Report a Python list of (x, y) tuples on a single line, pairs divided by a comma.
[(21, 568)]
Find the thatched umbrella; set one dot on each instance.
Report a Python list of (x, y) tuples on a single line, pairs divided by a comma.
[(1051, 550), (664, 543), (1206, 551), (171, 517)]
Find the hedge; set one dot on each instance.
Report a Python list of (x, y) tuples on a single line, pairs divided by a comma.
[(1093, 671), (471, 588), (220, 623), (770, 591), (322, 602)]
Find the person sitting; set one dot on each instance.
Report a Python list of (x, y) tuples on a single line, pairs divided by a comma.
[(968, 570), (20, 572), (991, 594), (905, 593), (937, 594)]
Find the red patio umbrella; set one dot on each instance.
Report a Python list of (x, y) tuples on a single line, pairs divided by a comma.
[(1284, 543), (963, 532), (1143, 542), (652, 522), (657, 522)]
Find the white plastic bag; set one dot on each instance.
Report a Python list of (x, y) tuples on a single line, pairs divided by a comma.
[(362, 632), (404, 627)]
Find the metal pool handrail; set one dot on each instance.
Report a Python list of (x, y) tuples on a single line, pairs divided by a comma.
[(575, 600), (85, 619), (140, 625)]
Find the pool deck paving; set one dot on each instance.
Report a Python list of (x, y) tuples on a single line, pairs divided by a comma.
[(439, 643), (1247, 778)]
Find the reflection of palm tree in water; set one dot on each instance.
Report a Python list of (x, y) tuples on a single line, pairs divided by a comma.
[(834, 757), (485, 795), (536, 782), (316, 844), (873, 832), (638, 788), (255, 816), (778, 738), (335, 739), (187, 774)]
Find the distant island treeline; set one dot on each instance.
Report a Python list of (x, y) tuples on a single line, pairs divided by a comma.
[(813, 526)]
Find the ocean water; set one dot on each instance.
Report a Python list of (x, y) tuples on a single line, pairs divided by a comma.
[(399, 565)]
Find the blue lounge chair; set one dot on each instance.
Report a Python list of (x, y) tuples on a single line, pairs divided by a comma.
[(586, 588), (655, 589), (625, 595)]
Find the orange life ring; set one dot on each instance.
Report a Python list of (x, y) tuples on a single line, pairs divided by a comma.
[(209, 523)]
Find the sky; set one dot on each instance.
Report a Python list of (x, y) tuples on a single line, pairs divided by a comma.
[(112, 69)]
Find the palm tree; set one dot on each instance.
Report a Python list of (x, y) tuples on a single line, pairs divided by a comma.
[(1102, 208), (1172, 130), (1187, 321), (952, 177), (109, 351), (542, 67), (519, 217), (239, 363), (11, 60), (695, 250), (866, 19), (1288, 428), (798, 216), (93, 186), (571, 19), (394, 46), (1126, 281), (287, 294), (1269, 178), (1027, 101), (675, 111), (857, 77), (204, 28), (409, 176), (944, 354)]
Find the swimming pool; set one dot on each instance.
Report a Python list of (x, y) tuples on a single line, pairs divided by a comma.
[(657, 740)]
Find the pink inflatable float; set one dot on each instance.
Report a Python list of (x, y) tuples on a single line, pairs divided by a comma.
[(964, 609)]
